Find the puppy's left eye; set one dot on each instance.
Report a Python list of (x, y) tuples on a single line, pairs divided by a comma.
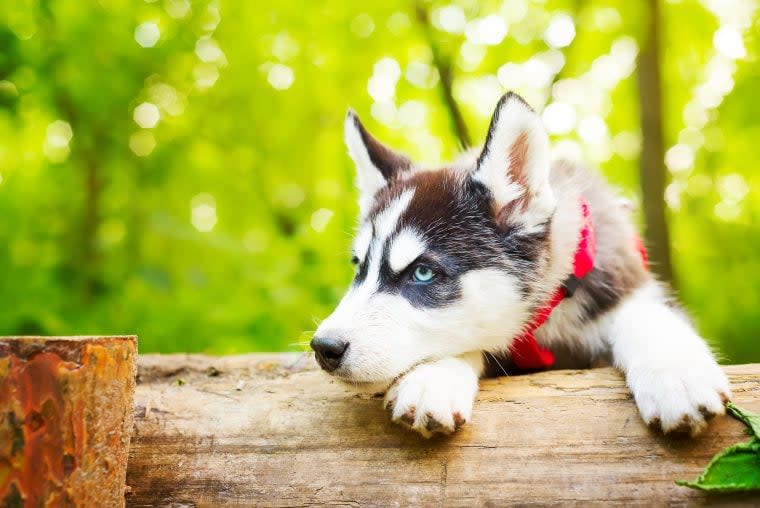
[(423, 273)]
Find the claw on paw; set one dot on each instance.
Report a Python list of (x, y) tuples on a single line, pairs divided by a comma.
[(680, 401), (433, 399), (459, 420), (408, 417)]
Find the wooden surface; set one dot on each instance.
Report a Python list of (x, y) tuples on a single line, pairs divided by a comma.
[(271, 430), (65, 419)]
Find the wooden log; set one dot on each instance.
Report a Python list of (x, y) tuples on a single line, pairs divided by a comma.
[(65, 419), (271, 430)]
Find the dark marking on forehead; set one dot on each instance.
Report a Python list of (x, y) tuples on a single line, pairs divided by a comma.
[(445, 203), (454, 215), (458, 215)]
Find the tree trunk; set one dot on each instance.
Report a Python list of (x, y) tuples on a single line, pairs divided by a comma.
[(652, 165), (65, 419), (270, 430)]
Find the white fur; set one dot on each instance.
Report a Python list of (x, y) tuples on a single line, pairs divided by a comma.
[(369, 179), (514, 120), (436, 397), (405, 248), (669, 368), (490, 309), (387, 220), (362, 242), (388, 335)]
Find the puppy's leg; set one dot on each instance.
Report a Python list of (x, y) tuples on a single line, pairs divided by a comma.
[(436, 397), (674, 377)]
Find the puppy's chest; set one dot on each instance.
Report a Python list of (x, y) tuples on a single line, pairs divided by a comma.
[(576, 338)]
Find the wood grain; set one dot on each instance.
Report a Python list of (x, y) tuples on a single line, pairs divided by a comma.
[(271, 430), (65, 419)]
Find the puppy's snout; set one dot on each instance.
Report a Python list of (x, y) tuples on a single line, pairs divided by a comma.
[(329, 351)]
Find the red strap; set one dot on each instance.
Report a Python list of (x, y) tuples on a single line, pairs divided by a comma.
[(642, 251), (583, 262), (526, 353)]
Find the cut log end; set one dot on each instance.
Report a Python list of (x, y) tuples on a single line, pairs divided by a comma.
[(65, 419)]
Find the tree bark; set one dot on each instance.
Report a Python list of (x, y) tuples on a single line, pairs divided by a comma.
[(652, 166), (271, 430), (65, 419)]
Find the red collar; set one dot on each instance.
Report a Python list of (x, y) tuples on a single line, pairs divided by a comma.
[(525, 351)]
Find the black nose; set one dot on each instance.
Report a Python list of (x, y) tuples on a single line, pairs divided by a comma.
[(329, 351)]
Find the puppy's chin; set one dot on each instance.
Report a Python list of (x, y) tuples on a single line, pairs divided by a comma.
[(372, 384), (366, 387)]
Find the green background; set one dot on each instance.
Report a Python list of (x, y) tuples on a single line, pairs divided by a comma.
[(176, 169)]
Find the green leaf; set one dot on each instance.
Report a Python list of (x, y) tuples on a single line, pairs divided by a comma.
[(735, 469), (750, 419)]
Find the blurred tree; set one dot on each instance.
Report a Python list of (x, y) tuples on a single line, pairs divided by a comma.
[(652, 165), (443, 67)]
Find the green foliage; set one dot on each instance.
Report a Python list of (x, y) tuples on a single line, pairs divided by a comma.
[(737, 468), (751, 420), (175, 168)]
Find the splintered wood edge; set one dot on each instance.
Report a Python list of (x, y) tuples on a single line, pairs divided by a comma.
[(70, 347), (72, 338), (26, 343)]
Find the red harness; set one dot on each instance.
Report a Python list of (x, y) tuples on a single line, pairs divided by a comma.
[(526, 353)]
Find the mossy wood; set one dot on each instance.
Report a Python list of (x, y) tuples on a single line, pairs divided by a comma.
[(272, 430), (65, 419)]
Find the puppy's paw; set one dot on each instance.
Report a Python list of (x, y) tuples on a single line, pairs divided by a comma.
[(433, 398), (680, 399)]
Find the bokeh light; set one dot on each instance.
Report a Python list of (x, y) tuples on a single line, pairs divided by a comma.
[(142, 143), (203, 212), (147, 34), (146, 115), (280, 76), (560, 32), (57, 138)]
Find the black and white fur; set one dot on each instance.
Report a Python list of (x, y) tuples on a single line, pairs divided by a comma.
[(498, 229)]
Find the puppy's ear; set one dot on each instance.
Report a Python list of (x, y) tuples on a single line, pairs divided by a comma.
[(376, 164), (514, 164)]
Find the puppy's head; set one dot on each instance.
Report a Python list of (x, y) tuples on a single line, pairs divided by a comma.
[(447, 261)]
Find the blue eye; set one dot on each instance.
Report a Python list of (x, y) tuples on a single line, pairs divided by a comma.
[(423, 273)]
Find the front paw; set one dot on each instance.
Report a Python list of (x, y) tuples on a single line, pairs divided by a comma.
[(433, 399), (680, 399)]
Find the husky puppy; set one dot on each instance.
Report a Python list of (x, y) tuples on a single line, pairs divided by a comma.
[(453, 263)]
